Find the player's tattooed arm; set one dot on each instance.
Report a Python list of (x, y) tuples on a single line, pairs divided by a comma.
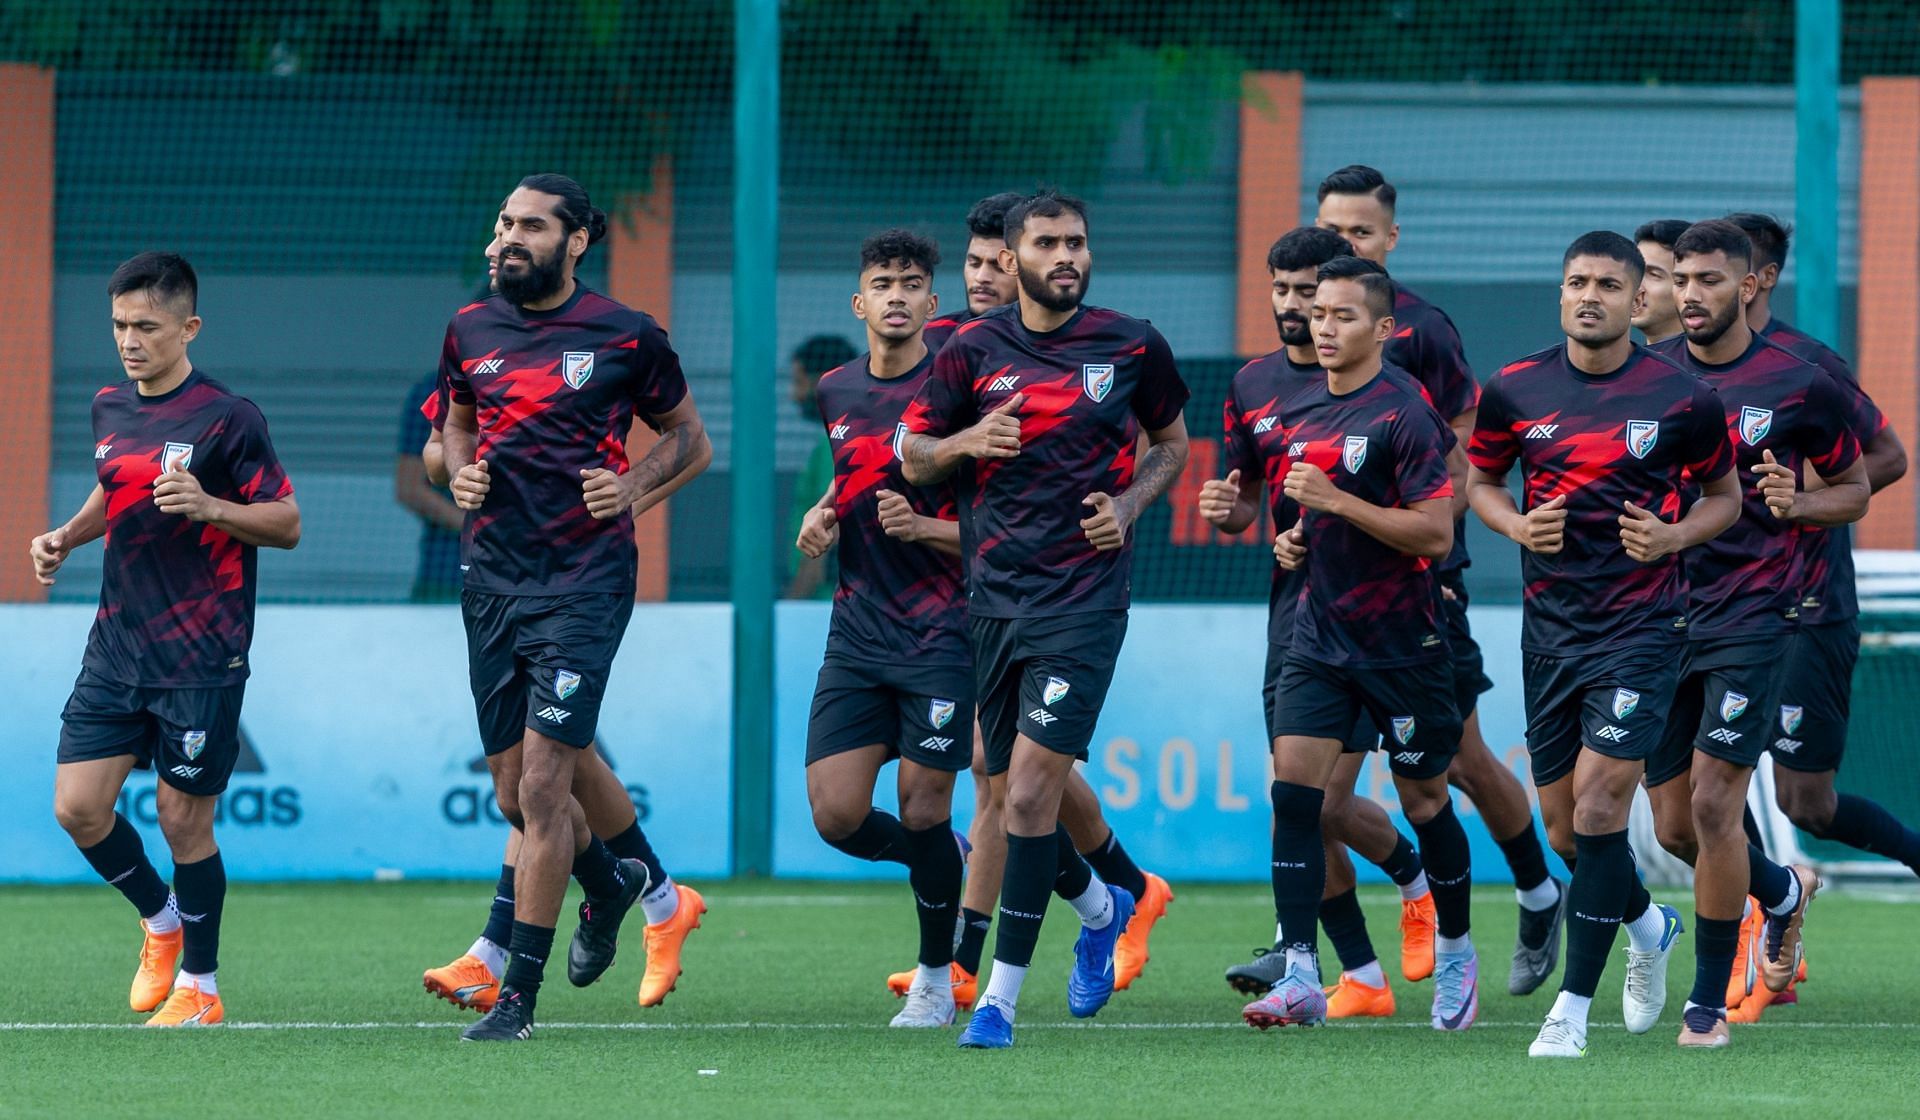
[(675, 459), (50, 549), (926, 459), (1842, 501), (1646, 537), (1165, 457)]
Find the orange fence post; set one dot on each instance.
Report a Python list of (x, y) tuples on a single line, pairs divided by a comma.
[(1889, 335), (26, 291), (1270, 112), (640, 275)]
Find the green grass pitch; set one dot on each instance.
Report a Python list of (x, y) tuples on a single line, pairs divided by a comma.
[(782, 1013)]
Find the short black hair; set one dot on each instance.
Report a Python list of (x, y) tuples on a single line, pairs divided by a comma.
[(1358, 178), (1715, 235), (1306, 247), (823, 352), (891, 245), (165, 277), (1661, 231), (988, 218), (576, 210), (1769, 235), (1607, 245), (1374, 281), (1044, 203)]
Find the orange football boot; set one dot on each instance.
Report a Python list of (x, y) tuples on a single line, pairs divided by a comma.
[(189, 1007), (1746, 957), (1351, 999), (664, 940), (466, 983), (1418, 924), (966, 986), (159, 954), (1130, 953)]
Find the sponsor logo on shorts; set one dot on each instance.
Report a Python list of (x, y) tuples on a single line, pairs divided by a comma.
[(176, 457), (1264, 425), (1409, 758), (576, 366), (1732, 706), (1056, 688), (935, 743), (1724, 735), (1354, 453), (1042, 717), (1612, 734), (1625, 700), (1542, 431), (552, 714), (1641, 436), (1403, 729), (187, 772), (1097, 380), (1754, 424), (194, 742), (1790, 715), (566, 682), (939, 713), (1786, 746)]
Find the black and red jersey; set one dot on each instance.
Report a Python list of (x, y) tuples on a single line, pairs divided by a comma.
[(939, 329), (1636, 434), (555, 393), (897, 599), (1745, 582), (1365, 604), (1090, 388), (1807, 348), (177, 596), (1426, 345), (1255, 444)]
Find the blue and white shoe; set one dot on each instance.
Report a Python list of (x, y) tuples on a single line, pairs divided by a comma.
[(1646, 994), (1295, 1000), (1456, 990), (1090, 984), (987, 1029)]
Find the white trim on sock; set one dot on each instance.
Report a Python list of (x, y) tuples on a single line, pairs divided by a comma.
[(1644, 932), (167, 920), (1095, 905), (1003, 987), (1452, 946), (203, 981), (1416, 888), (1543, 896), (939, 979), (1793, 897), (1569, 1006), (491, 955), (661, 902), (1369, 974)]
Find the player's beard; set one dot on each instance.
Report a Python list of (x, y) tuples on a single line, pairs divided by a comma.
[(1294, 329), (1041, 292), (540, 281), (1718, 324)]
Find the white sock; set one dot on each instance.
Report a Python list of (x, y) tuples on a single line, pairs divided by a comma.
[(1644, 932), (1544, 896), (1452, 946), (1570, 1006), (1003, 987), (1369, 974), (1306, 959), (1793, 896), (1415, 889), (202, 981), (167, 920), (939, 979), (491, 955), (661, 902), (1095, 905)]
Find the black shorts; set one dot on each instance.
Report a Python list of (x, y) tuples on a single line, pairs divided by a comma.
[(1815, 693), (1045, 678), (1613, 703), (923, 714), (541, 662), (190, 736), (1412, 703), (1363, 736), (1724, 705), (1469, 667)]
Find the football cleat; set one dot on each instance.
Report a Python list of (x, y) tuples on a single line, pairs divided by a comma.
[(596, 938), (1090, 984), (1781, 961), (1418, 924), (1351, 999), (1705, 1028), (1130, 956), (1456, 991), (1559, 1038), (189, 1007), (1746, 955), (1259, 975), (159, 954), (1294, 1001), (927, 1007), (1646, 990), (511, 1020), (664, 942), (965, 985), (466, 983), (987, 1029), (1534, 964)]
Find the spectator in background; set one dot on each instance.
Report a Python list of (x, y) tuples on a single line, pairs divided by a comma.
[(811, 579), (437, 577)]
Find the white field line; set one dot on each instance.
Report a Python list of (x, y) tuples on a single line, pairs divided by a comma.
[(1216, 1025)]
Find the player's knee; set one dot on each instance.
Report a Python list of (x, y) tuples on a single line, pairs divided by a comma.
[(1597, 815), (837, 820), (86, 820), (1675, 834), (1560, 836), (1810, 810), (1029, 811), (187, 824), (1421, 804)]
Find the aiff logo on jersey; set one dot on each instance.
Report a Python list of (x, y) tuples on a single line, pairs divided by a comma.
[(176, 457), (1755, 423), (1354, 454), (1641, 436), (576, 366), (1098, 381), (939, 713)]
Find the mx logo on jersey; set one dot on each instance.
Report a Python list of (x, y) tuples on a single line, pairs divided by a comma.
[(1641, 436), (1097, 380), (1755, 423), (1354, 453), (576, 366)]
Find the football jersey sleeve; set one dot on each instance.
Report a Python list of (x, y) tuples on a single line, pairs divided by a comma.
[(1420, 457), (659, 384), (257, 473), (1161, 393), (1706, 453), (1863, 416), (1829, 442), (945, 403), (419, 415), (1494, 448), (1451, 388), (459, 389), (1237, 449)]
